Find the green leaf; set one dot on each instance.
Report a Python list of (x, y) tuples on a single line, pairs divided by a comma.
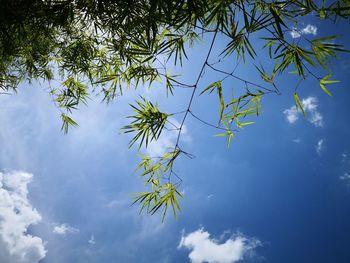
[(148, 123), (326, 81), (67, 122), (325, 89), (278, 20), (298, 103), (162, 196), (220, 135), (218, 86), (210, 87), (247, 123)]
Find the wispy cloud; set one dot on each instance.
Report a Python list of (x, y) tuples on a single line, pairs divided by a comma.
[(319, 146), (297, 140), (345, 170), (64, 229), (117, 203), (167, 139), (310, 105), (206, 249), (92, 241), (345, 177), (24, 123), (343, 157), (316, 119), (16, 215), (308, 30)]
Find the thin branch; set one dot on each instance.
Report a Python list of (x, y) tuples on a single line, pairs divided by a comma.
[(192, 96), (179, 112), (195, 88), (172, 124), (239, 78), (209, 124)]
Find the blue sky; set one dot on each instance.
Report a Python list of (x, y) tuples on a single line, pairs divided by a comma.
[(280, 193)]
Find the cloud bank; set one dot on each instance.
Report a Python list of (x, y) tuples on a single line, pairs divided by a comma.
[(16, 215), (205, 249), (310, 105)]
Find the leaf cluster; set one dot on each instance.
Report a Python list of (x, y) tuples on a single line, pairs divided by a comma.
[(162, 195), (148, 122)]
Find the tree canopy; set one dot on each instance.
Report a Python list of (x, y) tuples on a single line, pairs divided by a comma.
[(106, 47)]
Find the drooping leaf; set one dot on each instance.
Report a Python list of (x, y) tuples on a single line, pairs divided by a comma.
[(298, 103), (67, 122)]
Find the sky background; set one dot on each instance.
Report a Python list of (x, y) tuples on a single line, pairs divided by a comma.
[(279, 193)]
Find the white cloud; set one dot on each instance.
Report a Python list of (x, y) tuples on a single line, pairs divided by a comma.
[(316, 119), (167, 139), (319, 146), (64, 229), (292, 114), (16, 215), (205, 249), (310, 105), (92, 241), (297, 140), (294, 33), (308, 30)]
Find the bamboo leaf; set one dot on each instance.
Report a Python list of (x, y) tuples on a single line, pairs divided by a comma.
[(326, 81), (221, 98), (298, 103), (67, 122)]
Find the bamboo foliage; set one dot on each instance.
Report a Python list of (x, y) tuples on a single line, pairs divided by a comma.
[(107, 47)]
